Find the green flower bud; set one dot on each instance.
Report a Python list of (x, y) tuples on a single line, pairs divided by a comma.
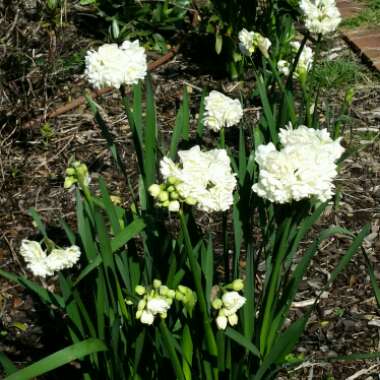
[(182, 289), (69, 181), (217, 303), (237, 284), (174, 195), (172, 180), (156, 283), (140, 290), (179, 296), (165, 204), (171, 293), (190, 201), (170, 189), (141, 304), (154, 190), (163, 196), (70, 171), (164, 290), (138, 314)]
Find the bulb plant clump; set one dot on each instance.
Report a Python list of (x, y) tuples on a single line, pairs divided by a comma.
[(206, 294)]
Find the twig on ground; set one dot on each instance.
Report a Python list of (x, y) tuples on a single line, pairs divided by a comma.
[(362, 372)]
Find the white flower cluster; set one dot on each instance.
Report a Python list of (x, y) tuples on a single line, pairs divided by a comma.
[(305, 167), (156, 301), (114, 66), (228, 305), (304, 64), (221, 111), (204, 178), (249, 41), (43, 265), (321, 16)]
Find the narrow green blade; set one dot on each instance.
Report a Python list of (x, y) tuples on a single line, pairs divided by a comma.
[(58, 359)]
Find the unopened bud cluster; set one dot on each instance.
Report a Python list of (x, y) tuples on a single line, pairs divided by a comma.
[(228, 304), (167, 195), (157, 300), (77, 173)]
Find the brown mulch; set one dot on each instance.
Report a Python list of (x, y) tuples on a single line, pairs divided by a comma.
[(39, 73)]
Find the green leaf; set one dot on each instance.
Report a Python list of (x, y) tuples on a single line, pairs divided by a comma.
[(7, 364), (109, 206), (200, 127), (207, 262), (270, 119), (375, 286), (69, 233), (139, 345), (169, 344), (356, 356), (45, 295), (243, 341), (58, 359), (187, 350), (106, 135), (357, 242), (88, 269), (282, 346), (127, 234), (242, 157), (137, 111), (39, 223), (150, 137), (84, 229), (249, 293), (185, 115), (181, 129)]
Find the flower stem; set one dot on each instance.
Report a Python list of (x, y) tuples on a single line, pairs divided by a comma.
[(222, 141)]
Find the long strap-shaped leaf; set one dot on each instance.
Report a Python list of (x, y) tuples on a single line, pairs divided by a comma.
[(7, 364), (58, 359)]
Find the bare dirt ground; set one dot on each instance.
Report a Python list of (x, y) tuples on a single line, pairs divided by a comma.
[(41, 68)]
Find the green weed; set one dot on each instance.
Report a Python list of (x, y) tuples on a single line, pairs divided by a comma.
[(339, 73)]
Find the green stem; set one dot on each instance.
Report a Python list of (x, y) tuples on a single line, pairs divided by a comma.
[(222, 142), (225, 247), (307, 102), (171, 350), (275, 275), (196, 272)]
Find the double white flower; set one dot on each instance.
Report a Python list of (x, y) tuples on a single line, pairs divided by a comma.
[(43, 265), (305, 167), (114, 66), (321, 16), (153, 306), (228, 306), (304, 64), (249, 41), (203, 178), (221, 111)]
